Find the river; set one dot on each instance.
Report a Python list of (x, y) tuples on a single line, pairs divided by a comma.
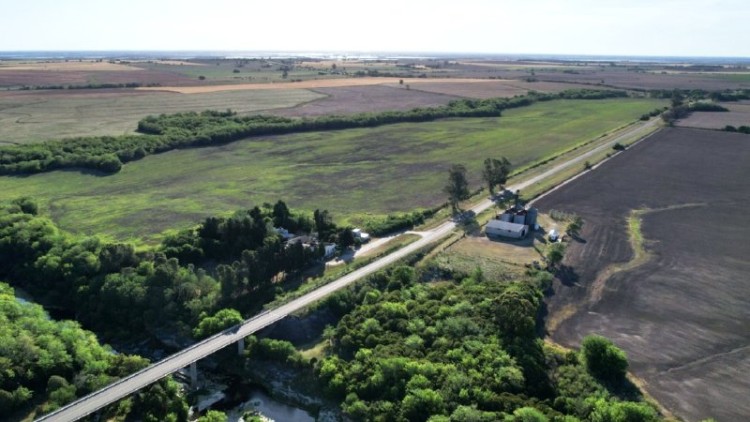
[(268, 407)]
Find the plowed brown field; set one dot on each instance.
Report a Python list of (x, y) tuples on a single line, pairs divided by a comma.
[(682, 310)]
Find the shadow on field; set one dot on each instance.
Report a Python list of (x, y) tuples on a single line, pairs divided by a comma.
[(80, 170), (567, 275)]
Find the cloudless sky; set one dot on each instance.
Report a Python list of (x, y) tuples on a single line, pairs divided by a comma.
[(597, 27)]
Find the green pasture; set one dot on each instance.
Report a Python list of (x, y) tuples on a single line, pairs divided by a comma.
[(738, 77), (379, 170), (38, 117)]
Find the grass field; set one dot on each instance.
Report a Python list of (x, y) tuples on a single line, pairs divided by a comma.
[(37, 116), (377, 170), (498, 259)]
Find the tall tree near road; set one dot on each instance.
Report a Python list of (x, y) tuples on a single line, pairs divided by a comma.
[(457, 187), (495, 172)]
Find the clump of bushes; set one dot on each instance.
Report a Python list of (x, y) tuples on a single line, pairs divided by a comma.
[(379, 226), (703, 106), (741, 129)]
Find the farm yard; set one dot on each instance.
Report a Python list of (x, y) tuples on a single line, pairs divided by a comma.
[(378, 170), (662, 267)]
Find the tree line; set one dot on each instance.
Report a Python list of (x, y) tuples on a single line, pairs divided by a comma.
[(460, 349), (495, 172), (47, 364), (227, 262), (181, 130)]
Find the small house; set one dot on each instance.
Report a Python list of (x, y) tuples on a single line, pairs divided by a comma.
[(500, 228)]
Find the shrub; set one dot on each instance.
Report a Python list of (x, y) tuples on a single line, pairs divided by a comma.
[(703, 106), (603, 359)]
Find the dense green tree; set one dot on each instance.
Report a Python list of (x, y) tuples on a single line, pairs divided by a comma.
[(528, 414), (458, 186), (495, 173), (210, 325), (281, 214), (555, 254), (345, 238), (575, 226), (55, 361), (605, 411), (213, 416), (27, 205), (603, 359)]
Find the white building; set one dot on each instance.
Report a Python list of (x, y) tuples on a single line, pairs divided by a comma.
[(499, 228)]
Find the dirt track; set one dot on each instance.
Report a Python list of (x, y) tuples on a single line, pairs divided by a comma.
[(684, 315)]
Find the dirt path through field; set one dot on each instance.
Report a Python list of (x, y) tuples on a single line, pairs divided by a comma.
[(641, 256)]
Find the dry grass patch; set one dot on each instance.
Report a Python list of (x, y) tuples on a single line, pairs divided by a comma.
[(318, 83), (76, 66)]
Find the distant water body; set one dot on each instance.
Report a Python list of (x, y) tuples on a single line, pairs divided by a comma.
[(154, 55)]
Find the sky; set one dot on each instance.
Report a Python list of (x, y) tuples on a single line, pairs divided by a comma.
[(595, 27)]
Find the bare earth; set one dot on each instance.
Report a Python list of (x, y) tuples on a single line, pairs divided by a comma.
[(361, 99), (646, 80), (70, 66), (311, 84), (484, 88), (32, 116), (738, 115), (683, 313)]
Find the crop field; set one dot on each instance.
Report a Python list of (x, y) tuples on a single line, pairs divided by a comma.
[(484, 88), (662, 268), (42, 73), (66, 66), (31, 116), (376, 170), (622, 78), (738, 115), (360, 99)]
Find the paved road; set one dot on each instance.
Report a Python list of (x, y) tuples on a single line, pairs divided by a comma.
[(126, 386)]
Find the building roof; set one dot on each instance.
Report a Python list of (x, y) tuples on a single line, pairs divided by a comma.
[(506, 226)]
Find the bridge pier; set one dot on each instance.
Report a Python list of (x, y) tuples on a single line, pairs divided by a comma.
[(194, 374), (241, 346)]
